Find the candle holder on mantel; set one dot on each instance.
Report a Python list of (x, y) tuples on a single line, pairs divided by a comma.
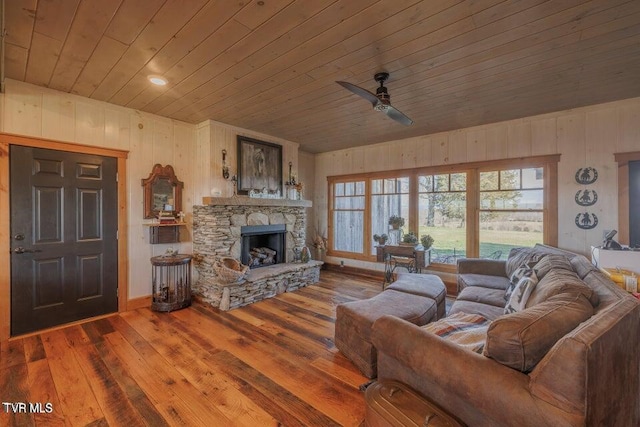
[(234, 180), (292, 192), (291, 186)]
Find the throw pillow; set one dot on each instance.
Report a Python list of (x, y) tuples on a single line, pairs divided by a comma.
[(515, 278), (466, 330), (518, 298), (520, 340)]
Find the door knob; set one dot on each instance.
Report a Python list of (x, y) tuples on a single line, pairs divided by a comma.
[(21, 250), (19, 236)]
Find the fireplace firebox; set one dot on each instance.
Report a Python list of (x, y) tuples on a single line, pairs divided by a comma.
[(263, 245)]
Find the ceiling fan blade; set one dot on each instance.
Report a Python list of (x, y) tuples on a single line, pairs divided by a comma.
[(372, 98), (397, 115)]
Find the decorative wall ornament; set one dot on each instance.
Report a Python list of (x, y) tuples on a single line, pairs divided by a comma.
[(586, 221), (225, 168), (586, 197), (586, 176)]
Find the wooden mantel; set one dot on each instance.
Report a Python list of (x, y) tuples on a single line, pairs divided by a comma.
[(254, 201)]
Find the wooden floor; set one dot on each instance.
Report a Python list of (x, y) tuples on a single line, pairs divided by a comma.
[(270, 363)]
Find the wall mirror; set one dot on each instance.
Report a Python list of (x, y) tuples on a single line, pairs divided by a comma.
[(162, 191)]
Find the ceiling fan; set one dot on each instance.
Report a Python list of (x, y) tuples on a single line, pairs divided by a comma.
[(381, 101)]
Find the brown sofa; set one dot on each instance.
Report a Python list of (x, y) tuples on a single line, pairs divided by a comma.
[(590, 376)]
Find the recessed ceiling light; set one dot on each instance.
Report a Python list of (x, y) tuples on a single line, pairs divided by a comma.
[(157, 80)]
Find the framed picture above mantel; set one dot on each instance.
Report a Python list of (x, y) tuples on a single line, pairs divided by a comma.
[(259, 166)]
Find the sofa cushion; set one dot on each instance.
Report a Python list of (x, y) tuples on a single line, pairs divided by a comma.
[(482, 280), (518, 298), (582, 266), (489, 311), (519, 257), (520, 340), (559, 281), (466, 330), (494, 297), (424, 285), (552, 261)]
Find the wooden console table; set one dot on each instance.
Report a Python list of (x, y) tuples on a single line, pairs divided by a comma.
[(413, 258)]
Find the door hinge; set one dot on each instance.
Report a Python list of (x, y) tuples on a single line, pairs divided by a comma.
[(117, 292), (117, 177), (117, 234)]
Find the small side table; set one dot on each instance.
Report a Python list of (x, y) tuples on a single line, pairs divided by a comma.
[(414, 258), (171, 278)]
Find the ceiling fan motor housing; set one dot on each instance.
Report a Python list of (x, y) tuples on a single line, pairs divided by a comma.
[(381, 92), (384, 99)]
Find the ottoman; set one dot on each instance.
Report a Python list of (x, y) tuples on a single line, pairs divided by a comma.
[(425, 285), (354, 321)]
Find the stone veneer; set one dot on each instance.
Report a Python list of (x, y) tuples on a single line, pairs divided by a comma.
[(216, 234), (259, 283)]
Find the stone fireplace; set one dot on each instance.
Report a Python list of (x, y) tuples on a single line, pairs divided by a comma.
[(228, 227)]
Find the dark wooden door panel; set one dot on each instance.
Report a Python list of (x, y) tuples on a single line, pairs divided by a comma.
[(47, 214), (89, 214), (90, 273), (64, 237), (47, 286)]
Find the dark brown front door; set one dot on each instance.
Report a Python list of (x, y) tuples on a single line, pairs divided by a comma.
[(63, 237)]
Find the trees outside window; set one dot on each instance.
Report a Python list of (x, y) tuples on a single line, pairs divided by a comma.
[(389, 196), (442, 207), (348, 216)]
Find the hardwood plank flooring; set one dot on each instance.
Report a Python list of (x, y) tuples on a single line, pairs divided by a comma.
[(270, 363)]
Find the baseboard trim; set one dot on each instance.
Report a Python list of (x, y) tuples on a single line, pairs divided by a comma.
[(136, 303), (355, 271)]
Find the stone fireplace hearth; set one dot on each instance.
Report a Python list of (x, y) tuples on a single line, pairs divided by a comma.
[(217, 232)]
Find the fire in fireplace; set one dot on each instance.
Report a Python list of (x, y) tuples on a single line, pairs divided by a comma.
[(263, 245)]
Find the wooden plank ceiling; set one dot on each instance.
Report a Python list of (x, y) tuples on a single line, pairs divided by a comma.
[(271, 65)]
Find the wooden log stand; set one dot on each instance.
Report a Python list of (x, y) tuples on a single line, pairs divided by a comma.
[(171, 278)]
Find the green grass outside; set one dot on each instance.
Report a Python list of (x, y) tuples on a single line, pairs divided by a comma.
[(448, 239)]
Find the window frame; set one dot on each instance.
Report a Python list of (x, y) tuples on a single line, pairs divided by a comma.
[(332, 209), (549, 163)]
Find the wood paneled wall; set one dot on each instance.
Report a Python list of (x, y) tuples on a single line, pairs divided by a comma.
[(584, 137), (195, 152), (306, 175)]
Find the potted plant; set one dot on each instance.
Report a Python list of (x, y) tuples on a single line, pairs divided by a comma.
[(410, 239), (426, 240), (396, 221), (380, 239)]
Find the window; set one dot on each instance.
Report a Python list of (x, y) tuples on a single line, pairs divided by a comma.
[(348, 216), (473, 210), (511, 210), (442, 213), (389, 196)]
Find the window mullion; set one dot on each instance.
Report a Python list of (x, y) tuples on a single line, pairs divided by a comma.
[(473, 213), (413, 204), (366, 248)]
